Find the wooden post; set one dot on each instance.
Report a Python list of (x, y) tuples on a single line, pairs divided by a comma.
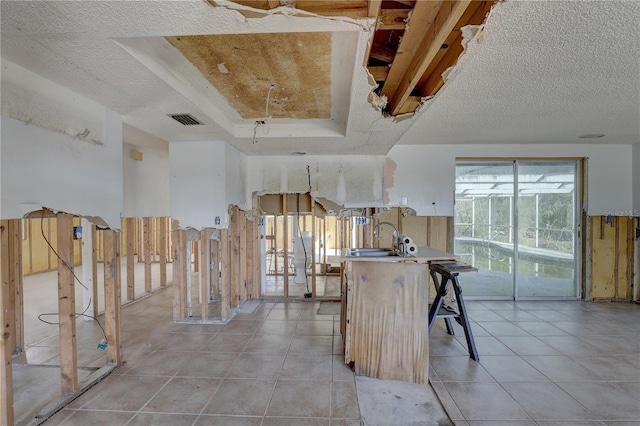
[(112, 305), (163, 251), (242, 222), (324, 245), (214, 284), (204, 274), (225, 290), (6, 337), (67, 305), (94, 260), (285, 225), (313, 249), (235, 256), (196, 258), (256, 246), (140, 233), (155, 238), (15, 272), (131, 278), (180, 270), (88, 292), (146, 230), (169, 241)]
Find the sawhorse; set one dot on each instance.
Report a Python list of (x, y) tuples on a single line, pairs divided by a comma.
[(449, 274)]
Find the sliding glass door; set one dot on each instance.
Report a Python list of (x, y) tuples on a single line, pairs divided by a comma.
[(517, 222)]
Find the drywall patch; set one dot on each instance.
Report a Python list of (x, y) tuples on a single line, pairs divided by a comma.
[(388, 176)]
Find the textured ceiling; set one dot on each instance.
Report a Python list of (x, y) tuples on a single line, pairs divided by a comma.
[(545, 72)]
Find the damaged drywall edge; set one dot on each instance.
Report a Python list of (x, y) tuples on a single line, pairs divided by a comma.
[(248, 12), (36, 211)]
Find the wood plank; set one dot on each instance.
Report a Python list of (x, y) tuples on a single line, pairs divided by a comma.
[(380, 53), (431, 81), (204, 275), (15, 272), (94, 260), (140, 251), (215, 271), (313, 250), (180, 270), (373, 9), (66, 304), (163, 251), (86, 249), (393, 19), (225, 288), (156, 238), (379, 73), (146, 232), (410, 105), (249, 256), (112, 302), (257, 259), (196, 258), (285, 245), (234, 257), (242, 243), (8, 327), (424, 50), (131, 278)]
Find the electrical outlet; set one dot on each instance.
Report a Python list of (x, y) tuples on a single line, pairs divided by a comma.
[(102, 345)]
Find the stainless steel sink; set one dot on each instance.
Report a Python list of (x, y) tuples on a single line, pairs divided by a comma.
[(371, 252)]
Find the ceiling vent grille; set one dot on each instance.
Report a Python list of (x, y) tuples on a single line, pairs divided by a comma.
[(186, 119)]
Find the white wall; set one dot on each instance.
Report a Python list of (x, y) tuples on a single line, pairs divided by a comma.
[(41, 167), (146, 183), (234, 179), (636, 179), (197, 183), (426, 174), (58, 150), (354, 180)]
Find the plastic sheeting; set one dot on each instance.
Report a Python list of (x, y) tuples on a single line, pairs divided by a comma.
[(387, 334)]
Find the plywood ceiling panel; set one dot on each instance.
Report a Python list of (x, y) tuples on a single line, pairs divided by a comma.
[(243, 66)]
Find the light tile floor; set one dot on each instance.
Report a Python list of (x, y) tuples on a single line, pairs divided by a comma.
[(280, 365), (541, 363)]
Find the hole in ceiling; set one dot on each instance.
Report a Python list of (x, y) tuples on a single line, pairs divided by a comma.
[(186, 119)]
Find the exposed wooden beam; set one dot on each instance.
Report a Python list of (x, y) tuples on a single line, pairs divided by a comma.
[(6, 349), (432, 80), (130, 224), (204, 275), (163, 251), (379, 52), (17, 294), (112, 299), (379, 73), (410, 104), (285, 248), (243, 254), (146, 225), (426, 49), (181, 267), (94, 261), (66, 304), (225, 289), (234, 259), (393, 19), (373, 8)]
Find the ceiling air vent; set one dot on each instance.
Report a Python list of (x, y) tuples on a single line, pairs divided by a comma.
[(186, 119)]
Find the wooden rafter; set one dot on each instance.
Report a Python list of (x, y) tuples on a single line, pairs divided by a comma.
[(426, 50), (393, 19)]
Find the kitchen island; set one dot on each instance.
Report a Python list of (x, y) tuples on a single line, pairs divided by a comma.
[(384, 322)]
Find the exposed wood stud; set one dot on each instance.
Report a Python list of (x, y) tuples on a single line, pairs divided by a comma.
[(234, 259), (204, 275), (249, 257), (313, 249), (257, 276), (225, 289), (67, 304), (215, 271), (379, 73), (131, 280), (94, 259), (6, 337), (424, 48), (163, 251), (140, 233), (15, 271), (196, 258), (112, 299), (180, 270), (393, 19), (243, 254), (146, 231), (285, 248)]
